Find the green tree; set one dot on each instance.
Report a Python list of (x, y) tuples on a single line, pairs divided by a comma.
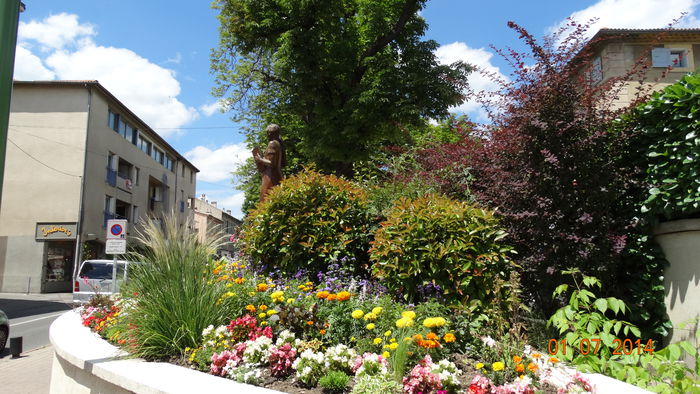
[(341, 77)]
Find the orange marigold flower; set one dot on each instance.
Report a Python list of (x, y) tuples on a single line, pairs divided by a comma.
[(517, 359), (417, 337), (433, 344), (536, 355), (239, 281), (432, 336), (532, 367), (519, 368), (250, 308), (343, 296), (322, 295), (553, 360), (332, 297), (449, 337), (263, 307), (310, 322), (261, 287), (323, 332)]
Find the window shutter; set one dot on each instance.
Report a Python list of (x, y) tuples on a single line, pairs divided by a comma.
[(660, 57)]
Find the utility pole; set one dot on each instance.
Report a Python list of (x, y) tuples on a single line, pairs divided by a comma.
[(9, 19)]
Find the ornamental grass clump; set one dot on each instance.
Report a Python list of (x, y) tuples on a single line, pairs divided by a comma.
[(174, 298), (439, 242)]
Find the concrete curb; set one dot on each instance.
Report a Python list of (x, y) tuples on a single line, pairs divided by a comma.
[(85, 363)]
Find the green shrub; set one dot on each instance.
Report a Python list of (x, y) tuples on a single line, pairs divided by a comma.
[(306, 221), (334, 382), (435, 242), (670, 145), (372, 384), (171, 291)]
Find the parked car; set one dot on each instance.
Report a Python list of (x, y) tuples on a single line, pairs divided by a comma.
[(4, 330), (95, 277)]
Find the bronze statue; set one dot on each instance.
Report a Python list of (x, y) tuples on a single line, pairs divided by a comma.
[(271, 162)]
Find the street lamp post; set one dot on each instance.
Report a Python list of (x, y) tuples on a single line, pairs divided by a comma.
[(9, 18)]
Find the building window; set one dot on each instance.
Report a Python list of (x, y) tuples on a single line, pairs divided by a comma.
[(145, 145), (596, 72), (168, 162), (157, 155), (110, 160), (108, 204), (122, 128), (112, 120), (129, 133), (669, 57), (136, 175)]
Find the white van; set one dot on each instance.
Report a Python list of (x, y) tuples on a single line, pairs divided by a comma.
[(95, 277)]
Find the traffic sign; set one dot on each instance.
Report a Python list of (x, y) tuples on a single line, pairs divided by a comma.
[(115, 246), (116, 229)]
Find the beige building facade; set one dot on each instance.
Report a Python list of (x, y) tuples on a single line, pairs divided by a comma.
[(670, 54), (76, 157), (208, 217)]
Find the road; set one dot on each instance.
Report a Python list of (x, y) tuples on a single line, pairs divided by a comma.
[(31, 315)]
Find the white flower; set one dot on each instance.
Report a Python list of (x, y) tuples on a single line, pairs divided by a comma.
[(488, 341)]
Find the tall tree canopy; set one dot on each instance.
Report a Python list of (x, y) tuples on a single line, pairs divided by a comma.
[(340, 76)]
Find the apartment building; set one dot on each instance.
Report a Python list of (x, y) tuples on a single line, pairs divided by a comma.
[(76, 157), (671, 53), (208, 217)]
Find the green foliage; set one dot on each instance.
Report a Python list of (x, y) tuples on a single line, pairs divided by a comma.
[(585, 319), (171, 291), (334, 382), (670, 142), (338, 76), (435, 241), (307, 221), (372, 384)]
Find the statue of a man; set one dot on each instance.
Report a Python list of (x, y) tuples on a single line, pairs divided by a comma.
[(270, 163)]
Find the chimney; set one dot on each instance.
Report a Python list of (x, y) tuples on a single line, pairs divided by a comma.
[(228, 211), (213, 203), (204, 196)]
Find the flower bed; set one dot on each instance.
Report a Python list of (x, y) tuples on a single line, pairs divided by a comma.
[(290, 334)]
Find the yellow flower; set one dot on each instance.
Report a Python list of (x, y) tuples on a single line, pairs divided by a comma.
[(271, 312), (393, 340), (408, 314), (229, 284), (377, 341), (277, 296), (497, 366), (357, 314), (377, 310), (404, 322), (262, 315), (263, 323), (386, 354), (370, 326), (449, 337), (393, 346), (428, 322), (387, 333), (479, 365), (290, 300), (370, 316), (352, 339)]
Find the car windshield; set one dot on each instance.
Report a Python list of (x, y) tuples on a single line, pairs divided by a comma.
[(94, 270)]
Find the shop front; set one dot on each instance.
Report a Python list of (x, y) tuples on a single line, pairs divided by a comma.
[(59, 255)]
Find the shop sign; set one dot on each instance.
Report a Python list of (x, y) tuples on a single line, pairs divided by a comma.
[(56, 231)]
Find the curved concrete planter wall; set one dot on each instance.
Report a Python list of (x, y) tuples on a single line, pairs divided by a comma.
[(85, 363), (680, 241)]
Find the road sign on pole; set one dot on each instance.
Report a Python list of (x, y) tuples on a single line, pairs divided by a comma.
[(116, 229)]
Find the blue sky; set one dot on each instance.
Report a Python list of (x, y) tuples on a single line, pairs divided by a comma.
[(154, 56)]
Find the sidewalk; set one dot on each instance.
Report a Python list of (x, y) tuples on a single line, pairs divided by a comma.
[(31, 373), (56, 297)]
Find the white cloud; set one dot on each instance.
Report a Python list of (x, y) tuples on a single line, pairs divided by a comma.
[(648, 14), (209, 109), (234, 202), (175, 60), (146, 88), (55, 31), (29, 67), (478, 81), (217, 165)]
